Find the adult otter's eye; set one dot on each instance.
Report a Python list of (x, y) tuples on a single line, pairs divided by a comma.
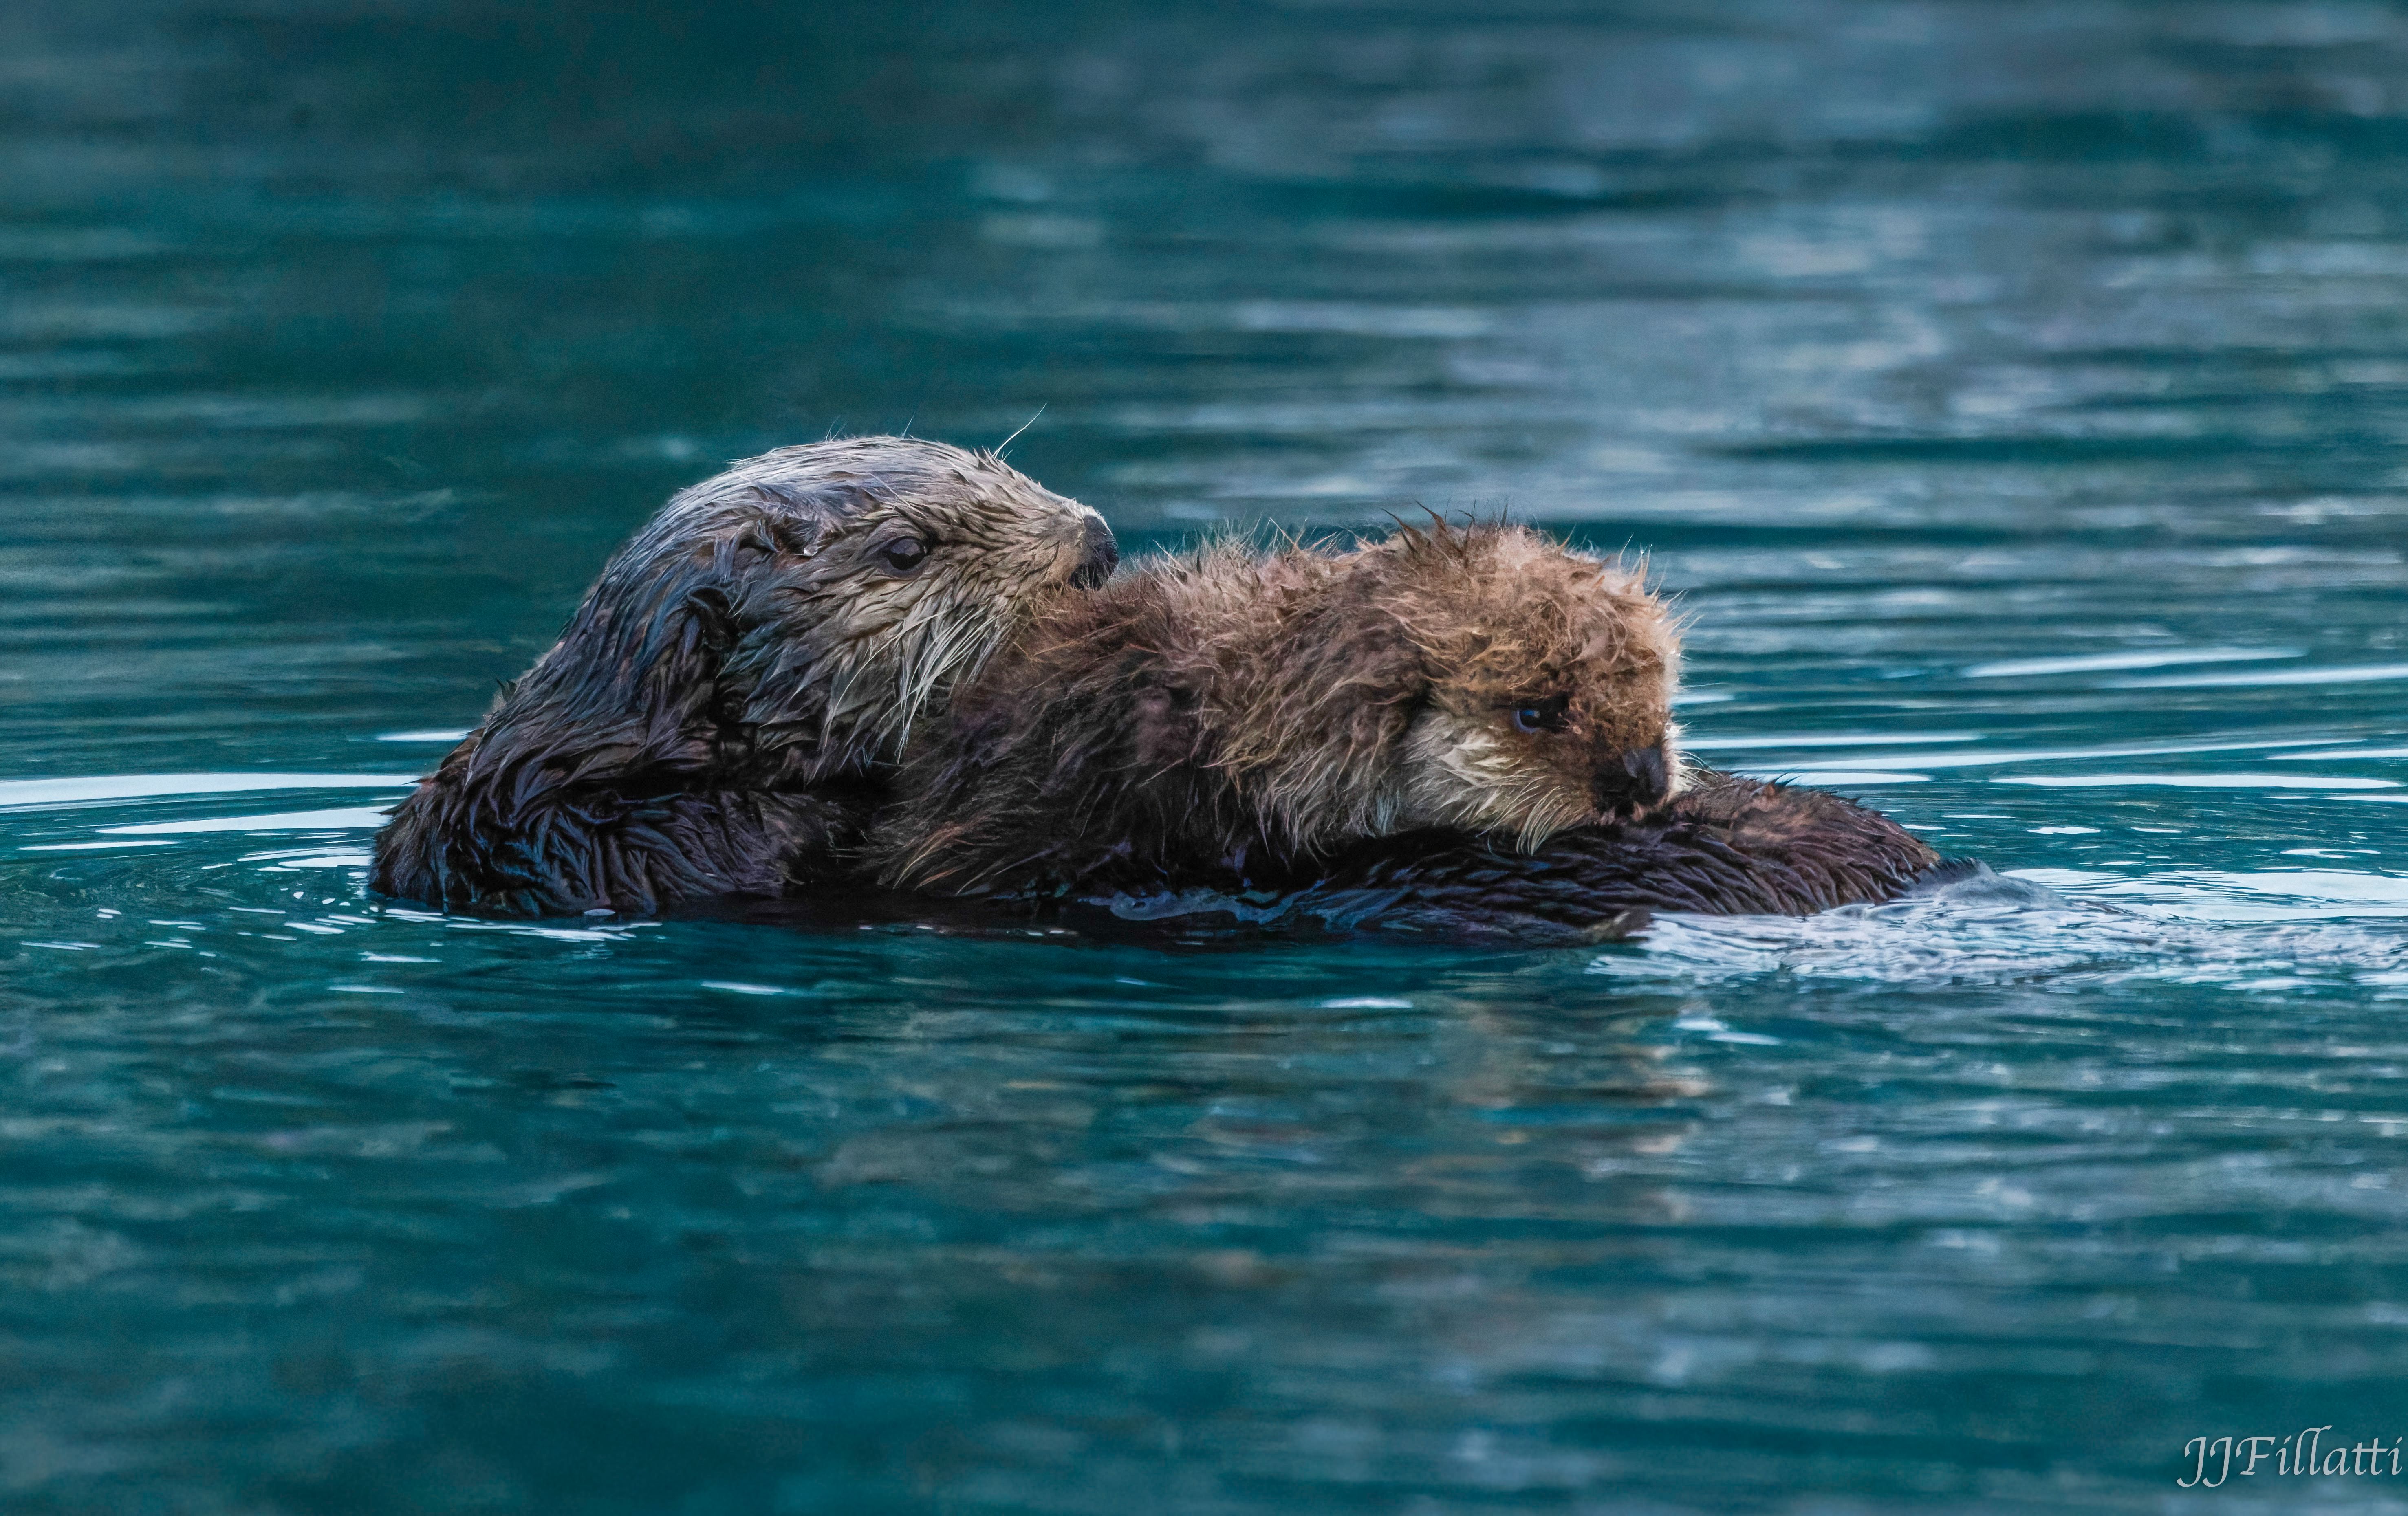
[(903, 556), (1552, 714)]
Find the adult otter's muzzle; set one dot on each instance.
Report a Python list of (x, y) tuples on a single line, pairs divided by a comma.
[(1632, 782), (1103, 556)]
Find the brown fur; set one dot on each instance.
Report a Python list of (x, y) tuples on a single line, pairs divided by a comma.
[(743, 656), (1209, 706)]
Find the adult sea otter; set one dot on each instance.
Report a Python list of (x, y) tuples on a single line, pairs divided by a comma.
[(704, 726)]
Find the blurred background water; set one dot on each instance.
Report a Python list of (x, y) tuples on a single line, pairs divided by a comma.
[(2016, 394)]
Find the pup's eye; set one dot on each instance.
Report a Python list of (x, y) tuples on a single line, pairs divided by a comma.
[(1549, 715), (903, 556)]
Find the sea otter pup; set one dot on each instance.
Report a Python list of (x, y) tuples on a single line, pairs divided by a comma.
[(701, 726), (1228, 711)]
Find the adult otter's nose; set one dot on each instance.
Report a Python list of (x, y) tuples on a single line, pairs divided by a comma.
[(1100, 555), (1633, 782)]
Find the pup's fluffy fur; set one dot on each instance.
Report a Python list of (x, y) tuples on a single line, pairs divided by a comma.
[(753, 648), (1206, 707)]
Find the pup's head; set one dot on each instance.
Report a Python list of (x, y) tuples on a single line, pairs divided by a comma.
[(1482, 678), (796, 614)]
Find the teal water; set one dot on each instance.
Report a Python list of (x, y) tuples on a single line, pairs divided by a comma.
[(2015, 394)]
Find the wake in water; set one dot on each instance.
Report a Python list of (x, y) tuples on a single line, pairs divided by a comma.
[(2274, 931)]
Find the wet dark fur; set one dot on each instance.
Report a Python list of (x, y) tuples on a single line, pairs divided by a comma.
[(1726, 847), (704, 724), (623, 772), (636, 844)]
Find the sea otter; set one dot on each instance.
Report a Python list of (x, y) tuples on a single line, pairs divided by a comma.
[(1227, 712), (703, 725)]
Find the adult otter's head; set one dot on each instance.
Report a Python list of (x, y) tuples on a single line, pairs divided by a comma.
[(786, 621), (1483, 679)]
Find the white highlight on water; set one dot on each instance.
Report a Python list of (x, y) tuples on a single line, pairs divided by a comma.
[(1869, 740), (2102, 662), (28, 794), (2198, 781), (287, 821), (2362, 674)]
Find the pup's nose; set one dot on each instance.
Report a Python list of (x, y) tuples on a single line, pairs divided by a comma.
[(1102, 553), (1633, 782)]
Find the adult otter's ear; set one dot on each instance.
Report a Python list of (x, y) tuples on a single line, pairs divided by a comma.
[(792, 522)]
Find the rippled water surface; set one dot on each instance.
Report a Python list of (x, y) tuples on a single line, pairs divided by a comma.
[(2016, 394)]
